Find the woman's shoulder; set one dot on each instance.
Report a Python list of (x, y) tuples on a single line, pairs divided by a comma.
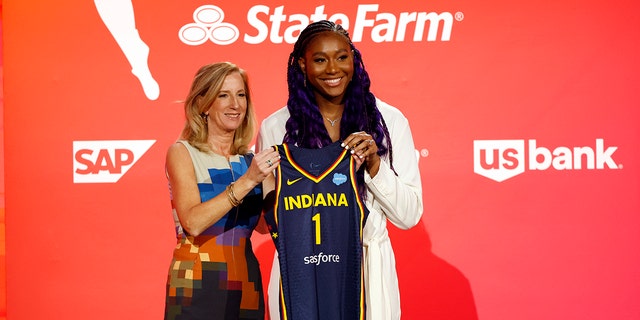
[(280, 115), (185, 150), (181, 145), (178, 153), (178, 145), (389, 112)]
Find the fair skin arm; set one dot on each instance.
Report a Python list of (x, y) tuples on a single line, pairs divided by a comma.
[(268, 192), (196, 216)]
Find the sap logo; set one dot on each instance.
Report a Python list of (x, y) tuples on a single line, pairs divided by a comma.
[(500, 160), (106, 161)]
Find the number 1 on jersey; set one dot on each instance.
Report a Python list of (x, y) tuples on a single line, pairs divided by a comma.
[(316, 219)]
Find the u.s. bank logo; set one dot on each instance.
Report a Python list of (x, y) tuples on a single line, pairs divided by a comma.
[(106, 161), (500, 160)]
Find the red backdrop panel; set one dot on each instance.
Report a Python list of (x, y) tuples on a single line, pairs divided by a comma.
[(524, 116)]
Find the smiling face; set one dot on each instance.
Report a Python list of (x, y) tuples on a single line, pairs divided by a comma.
[(328, 65), (229, 108)]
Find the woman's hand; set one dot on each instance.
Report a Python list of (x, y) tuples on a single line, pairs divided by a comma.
[(364, 149), (260, 170), (263, 164)]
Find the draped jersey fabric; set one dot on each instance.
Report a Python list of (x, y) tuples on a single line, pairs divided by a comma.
[(216, 274), (316, 224)]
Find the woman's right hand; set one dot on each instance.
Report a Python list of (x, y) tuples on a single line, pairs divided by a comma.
[(263, 164), (365, 150)]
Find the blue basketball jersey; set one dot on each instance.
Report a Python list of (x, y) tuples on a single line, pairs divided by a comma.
[(316, 224)]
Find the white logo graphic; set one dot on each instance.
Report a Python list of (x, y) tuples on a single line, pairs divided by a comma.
[(500, 160), (119, 18), (106, 161), (382, 26), (208, 25)]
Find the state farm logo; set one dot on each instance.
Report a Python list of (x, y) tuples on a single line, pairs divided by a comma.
[(208, 25), (500, 160), (279, 25), (106, 161)]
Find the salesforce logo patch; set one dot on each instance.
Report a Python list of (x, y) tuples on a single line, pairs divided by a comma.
[(339, 178), (500, 160)]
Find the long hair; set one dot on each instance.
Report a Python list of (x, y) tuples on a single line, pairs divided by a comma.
[(305, 127), (204, 89)]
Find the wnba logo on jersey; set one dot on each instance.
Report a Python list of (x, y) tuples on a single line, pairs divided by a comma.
[(500, 160)]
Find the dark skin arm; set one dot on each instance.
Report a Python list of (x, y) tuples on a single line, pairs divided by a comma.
[(365, 150)]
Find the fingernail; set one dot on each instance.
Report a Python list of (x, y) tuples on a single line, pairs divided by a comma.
[(342, 144)]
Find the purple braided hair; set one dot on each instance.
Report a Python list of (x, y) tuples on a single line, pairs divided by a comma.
[(305, 126)]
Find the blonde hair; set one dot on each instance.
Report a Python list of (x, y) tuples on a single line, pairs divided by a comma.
[(204, 90)]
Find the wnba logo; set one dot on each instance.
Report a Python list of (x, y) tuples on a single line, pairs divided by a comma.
[(500, 160)]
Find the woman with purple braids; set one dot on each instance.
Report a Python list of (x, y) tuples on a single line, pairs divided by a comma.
[(329, 101)]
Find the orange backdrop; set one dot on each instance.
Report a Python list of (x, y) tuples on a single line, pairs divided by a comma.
[(525, 116)]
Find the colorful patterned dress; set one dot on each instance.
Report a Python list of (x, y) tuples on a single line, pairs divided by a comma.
[(216, 274)]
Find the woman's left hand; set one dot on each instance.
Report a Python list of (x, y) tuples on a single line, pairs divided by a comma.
[(364, 149)]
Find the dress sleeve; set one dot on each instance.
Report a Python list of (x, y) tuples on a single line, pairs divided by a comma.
[(399, 197)]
